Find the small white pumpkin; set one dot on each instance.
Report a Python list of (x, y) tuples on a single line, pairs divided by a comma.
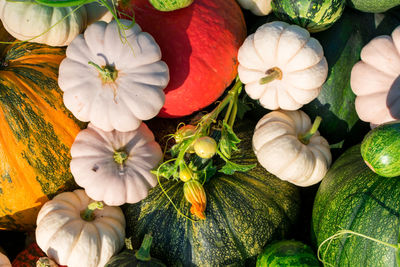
[(113, 82), (4, 261), (26, 20), (114, 167), (376, 80), (72, 232), (282, 66), (288, 146), (257, 7)]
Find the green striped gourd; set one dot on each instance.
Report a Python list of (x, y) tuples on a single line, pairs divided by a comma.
[(287, 253), (352, 197), (380, 149), (314, 15), (170, 5)]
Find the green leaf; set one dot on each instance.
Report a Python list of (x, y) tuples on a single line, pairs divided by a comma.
[(228, 141), (230, 168), (242, 107), (166, 170)]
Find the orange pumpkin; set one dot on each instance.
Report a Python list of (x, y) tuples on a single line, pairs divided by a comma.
[(36, 132)]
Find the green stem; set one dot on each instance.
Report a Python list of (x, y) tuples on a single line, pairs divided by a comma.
[(272, 74), (305, 138), (107, 73), (143, 254), (87, 214), (120, 157)]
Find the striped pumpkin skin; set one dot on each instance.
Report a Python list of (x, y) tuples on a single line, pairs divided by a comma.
[(314, 15), (380, 149), (287, 253), (352, 197), (36, 134), (244, 212)]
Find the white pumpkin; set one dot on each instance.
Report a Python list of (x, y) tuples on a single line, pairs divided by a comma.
[(71, 234), (286, 146), (376, 80), (4, 261), (29, 21), (282, 66), (124, 81), (114, 167), (257, 7)]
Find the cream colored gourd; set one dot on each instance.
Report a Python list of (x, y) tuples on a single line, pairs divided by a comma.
[(257, 7), (282, 66), (376, 80), (114, 167), (29, 21), (74, 238), (285, 147), (113, 82), (4, 261)]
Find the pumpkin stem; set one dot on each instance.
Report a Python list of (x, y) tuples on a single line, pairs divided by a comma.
[(120, 157), (108, 73), (87, 214), (305, 138), (45, 262), (143, 254), (272, 74)]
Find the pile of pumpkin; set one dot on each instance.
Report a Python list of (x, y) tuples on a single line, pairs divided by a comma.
[(200, 133)]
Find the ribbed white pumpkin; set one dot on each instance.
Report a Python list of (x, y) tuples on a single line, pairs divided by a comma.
[(376, 80), (70, 240), (257, 7), (26, 20), (4, 261), (289, 58), (279, 149), (114, 167), (130, 89)]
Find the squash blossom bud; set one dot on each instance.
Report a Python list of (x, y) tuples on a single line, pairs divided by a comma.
[(195, 195)]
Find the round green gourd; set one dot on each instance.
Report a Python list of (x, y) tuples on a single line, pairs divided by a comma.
[(287, 253), (244, 212), (170, 5), (137, 258), (373, 6), (380, 149), (352, 197), (314, 15)]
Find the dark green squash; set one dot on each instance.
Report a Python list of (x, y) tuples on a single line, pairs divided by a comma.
[(244, 212), (314, 15), (380, 149), (137, 258), (287, 253), (352, 197)]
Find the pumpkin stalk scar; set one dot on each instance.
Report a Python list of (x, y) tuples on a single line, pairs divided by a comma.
[(87, 214), (108, 74), (274, 73), (305, 138), (143, 254), (120, 157)]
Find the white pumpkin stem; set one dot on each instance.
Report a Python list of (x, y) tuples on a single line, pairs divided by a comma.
[(272, 74), (305, 138), (87, 214), (107, 73), (143, 254), (120, 157)]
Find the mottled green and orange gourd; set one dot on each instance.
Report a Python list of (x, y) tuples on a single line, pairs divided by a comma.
[(36, 132)]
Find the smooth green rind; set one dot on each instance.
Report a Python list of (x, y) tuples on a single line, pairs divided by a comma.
[(170, 5), (380, 149), (287, 253), (342, 44), (314, 15), (373, 6), (244, 212), (352, 197)]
